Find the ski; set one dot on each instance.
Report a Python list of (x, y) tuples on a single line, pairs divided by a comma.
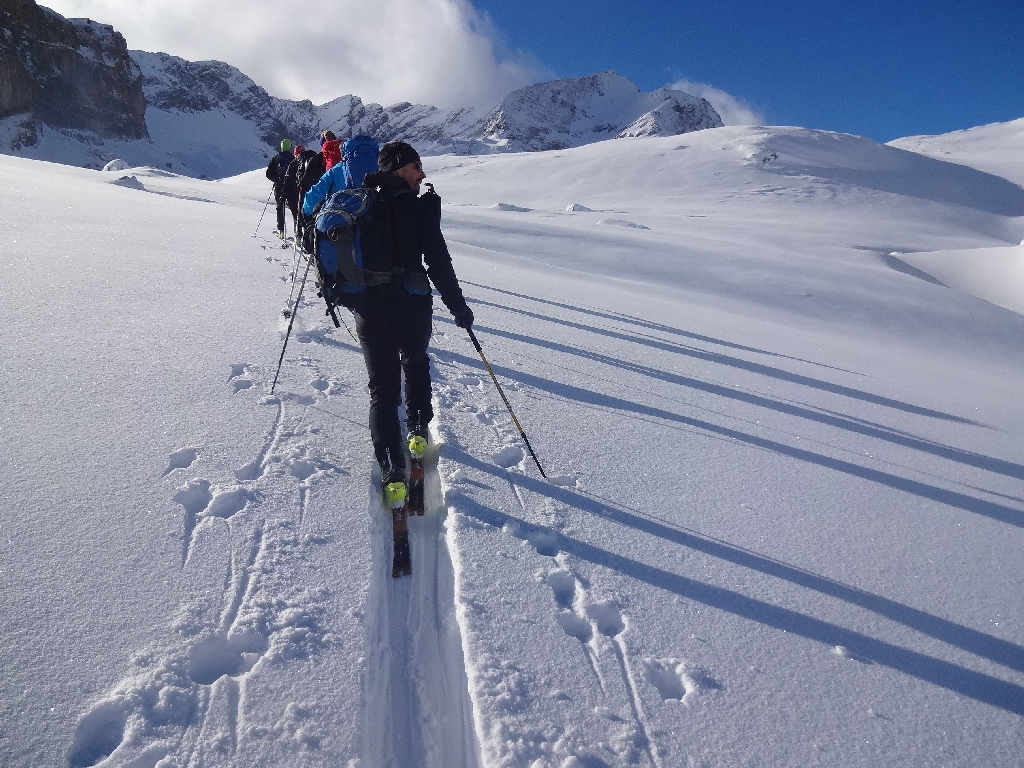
[(417, 447), (396, 498)]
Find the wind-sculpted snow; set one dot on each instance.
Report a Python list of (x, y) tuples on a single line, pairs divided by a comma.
[(785, 496)]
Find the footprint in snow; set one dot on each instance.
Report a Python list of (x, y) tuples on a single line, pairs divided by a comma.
[(563, 586), (99, 733), (225, 504), (574, 626), (544, 541), (508, 457), (607, 618), (194, 497), (181, 459), (211, 659), (676, 679), (236, 377), (301, 469)]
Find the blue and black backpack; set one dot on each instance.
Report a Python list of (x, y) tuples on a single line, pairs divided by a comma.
[(358, 158), (354, 245)]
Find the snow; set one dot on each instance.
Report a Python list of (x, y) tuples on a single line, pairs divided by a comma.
[(997, 148), (784, 509)]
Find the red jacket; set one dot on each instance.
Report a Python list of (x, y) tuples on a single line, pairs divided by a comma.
[(332, 153)]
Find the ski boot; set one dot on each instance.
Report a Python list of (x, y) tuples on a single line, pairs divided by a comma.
[(417, 447), (395, 497)]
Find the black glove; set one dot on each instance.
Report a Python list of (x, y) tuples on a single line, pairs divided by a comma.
[(464, 318)]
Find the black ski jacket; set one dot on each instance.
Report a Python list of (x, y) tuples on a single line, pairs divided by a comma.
[(311, 170), (418, 238), (277, 170)]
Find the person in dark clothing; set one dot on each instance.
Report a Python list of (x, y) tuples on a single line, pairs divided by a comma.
[(291, 182), (304, 170), (305, 174), (277, 170), (394, 321)]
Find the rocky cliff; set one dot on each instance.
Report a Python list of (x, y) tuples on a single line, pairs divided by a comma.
[(69, 74)]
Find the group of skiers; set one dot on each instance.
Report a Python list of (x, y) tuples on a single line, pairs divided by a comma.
[(294, 170), (393, 312)]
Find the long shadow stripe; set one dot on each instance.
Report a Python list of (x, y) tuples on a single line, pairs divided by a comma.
[(975, 685), (970, 640), (962, 501)]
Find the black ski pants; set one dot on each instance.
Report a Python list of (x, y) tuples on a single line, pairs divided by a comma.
[(394, 331), (282, 204)]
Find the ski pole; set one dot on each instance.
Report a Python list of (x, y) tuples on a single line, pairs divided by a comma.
[(494, 378), (289, 333), (264, 212)]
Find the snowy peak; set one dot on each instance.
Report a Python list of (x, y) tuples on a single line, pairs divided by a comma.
[(171, 83), (577, 111), (209, 119)]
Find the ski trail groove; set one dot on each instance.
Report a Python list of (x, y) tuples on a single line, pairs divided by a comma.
[(418, 708)]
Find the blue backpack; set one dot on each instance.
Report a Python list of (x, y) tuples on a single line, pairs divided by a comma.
[(354, 246), (358, 158)]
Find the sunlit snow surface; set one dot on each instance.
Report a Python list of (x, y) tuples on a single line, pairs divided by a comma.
[(784, 512)]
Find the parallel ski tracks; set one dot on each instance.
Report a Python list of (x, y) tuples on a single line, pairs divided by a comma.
[(418, 709)]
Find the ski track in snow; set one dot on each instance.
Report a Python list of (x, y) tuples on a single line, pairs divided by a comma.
[(418, 706), (186, 703), (596, 623)]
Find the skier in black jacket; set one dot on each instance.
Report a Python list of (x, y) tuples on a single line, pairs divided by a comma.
[(305, 171), (277, 170), (393, 321)]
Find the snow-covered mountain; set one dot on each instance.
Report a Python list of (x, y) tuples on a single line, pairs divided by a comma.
[(213, 117), (578, 111), (209, 119), (75, 75)]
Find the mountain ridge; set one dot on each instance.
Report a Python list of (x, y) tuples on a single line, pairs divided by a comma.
[(209, 119)]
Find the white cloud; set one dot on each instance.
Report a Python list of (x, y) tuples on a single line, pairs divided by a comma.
[(441, 52), (733, 111)]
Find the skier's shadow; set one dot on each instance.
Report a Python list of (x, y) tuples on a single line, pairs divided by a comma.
[(848, 423), (975, 685), (990, 509), (723, 359)]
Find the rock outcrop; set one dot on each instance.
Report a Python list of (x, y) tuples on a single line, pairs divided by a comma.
[(69, 74)]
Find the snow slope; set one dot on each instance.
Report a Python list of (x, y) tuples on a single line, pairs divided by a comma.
[(785, 494), (996, 148), (993, 274)]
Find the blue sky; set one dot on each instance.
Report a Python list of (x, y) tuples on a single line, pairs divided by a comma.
[(878, 69)]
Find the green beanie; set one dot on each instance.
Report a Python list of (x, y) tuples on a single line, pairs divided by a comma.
[(286, 145)]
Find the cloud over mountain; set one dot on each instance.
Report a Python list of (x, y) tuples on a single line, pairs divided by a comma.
[(733, 111), (441, 52)]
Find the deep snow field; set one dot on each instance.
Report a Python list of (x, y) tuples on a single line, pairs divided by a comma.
[(784, 512)]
